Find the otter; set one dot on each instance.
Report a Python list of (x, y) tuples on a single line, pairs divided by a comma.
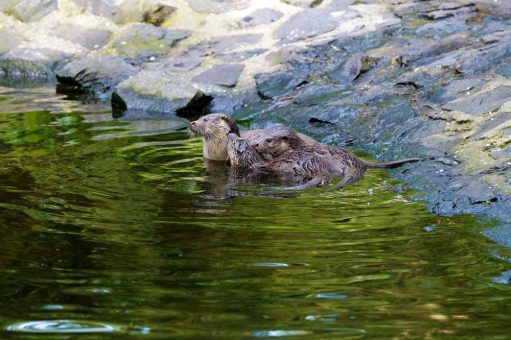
[(280, 140), (291, 166), (213, 128)]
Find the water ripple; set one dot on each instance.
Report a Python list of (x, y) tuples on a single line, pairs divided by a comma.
[(63, 326)]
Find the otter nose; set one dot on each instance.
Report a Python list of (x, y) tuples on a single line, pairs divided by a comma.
[(256, 145)]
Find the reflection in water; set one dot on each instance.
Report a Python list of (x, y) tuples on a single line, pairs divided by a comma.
[(119, 226)]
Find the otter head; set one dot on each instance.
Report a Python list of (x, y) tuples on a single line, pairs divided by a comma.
[(241, 154), (277, 140), (213, 129)]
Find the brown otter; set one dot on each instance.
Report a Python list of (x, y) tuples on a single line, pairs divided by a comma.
[(213, 128), (291, 166), (280, 140)]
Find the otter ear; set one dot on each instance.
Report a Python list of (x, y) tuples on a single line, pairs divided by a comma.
[(232, 125), (284, 138)]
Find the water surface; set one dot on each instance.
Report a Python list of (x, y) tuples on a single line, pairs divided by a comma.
[(114, 227)]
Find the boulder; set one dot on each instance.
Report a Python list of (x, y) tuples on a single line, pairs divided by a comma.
[(305, 24), (224, 75), (32, 10)]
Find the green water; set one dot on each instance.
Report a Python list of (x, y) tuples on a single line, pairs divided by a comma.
[(115, 227)]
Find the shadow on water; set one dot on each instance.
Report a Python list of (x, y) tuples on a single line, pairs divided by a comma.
[(114, 227)]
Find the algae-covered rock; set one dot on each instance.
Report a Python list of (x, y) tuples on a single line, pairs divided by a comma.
[(158, 15), (142, 40)]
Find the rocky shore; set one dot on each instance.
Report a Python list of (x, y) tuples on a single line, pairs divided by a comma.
[(393, 78)]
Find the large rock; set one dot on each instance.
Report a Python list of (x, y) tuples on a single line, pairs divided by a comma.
[(143, 40), (31, 10), (89, 38), (306, 24), (273, 85), (262, 16), (119, 11), (97, 76), (31, 62), (481, 102), (158, 91), (224, 75)]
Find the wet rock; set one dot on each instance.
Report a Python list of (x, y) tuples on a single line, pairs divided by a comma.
[(458, 88), (32, 10), (442, 28), (263, 16), (224, 75), (216, 6), (303, 3), (449, 9), (142, 40), (9, 41), (306, 24), (97, 76), (353, 68), (481, 102), (180, 64), (317, 94), (476, 62), (277, 84), (230, 42), (239, 56), (30, 62), (92, 39), (340, 5), (124, 11), (158, 15), (24, 68), (171, 93)]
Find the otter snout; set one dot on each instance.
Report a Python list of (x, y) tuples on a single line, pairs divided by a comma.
[(193, 126)]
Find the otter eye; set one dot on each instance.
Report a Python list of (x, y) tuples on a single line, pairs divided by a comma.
[(284, 137), (268, 140), (205, 120)]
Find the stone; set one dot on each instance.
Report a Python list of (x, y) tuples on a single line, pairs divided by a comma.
[(7, 5), (119, 11), (9, 41), (353, 68), (305, 24), (230, 42), (24, 68), (459, 88), (502, 153), (442, 28), (98, 76), (142, 40), (158, 15), (224, 75), (504, 70), (450, 9), (303, 3), (481, 102), (32, 10), (272, 85), (170, 93), (31, 62), (500, 234), (340, 5), (92, 39), (216, 6), (233, 57), (181, 64), (484, 59), (262, 16)]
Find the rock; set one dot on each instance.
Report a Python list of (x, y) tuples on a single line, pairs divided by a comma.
[(262, 16), (92, 39), (504, 35), (306, 24), (9, 41), (180, 64), (97, 76), (340, 5), (504, 70), (476, 62), (224, 75), (502, 153), (449, 9), (458, 88), (158, 15), (31, 62), (500, 234), (353, 68), (7, 5), (119, 11), (143, 40), (493, 126), (24, 68), (216, 6), (303, 3), (272, 85), (481, 102), (230, 42), (170, 93), (239, 56), (32, 10), (442, 28)]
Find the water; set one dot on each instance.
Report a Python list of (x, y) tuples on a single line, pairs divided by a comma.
[(115, 227)]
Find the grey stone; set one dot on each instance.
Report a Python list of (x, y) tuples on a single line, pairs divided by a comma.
[(262, 16), (95, 75), (32, 10), (507, 133), (224, 75), (7, 5), (303, 3), (139, 40), (442, 27), (504, 35), (500, 234), (158, 15), (504, 70), (8, 41), (492, 126), (230, 42), (24, 68), (32, 62), (277, 84), (306, 24), (181, 64), (340, 5), (92, 39), (124, 11), (481, 102), (233, 57), (353, 68), (449, 9), (459, 88), (157, 91), (216, 6), (503, 153)]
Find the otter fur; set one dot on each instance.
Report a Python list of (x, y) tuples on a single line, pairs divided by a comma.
[(213, 128)]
